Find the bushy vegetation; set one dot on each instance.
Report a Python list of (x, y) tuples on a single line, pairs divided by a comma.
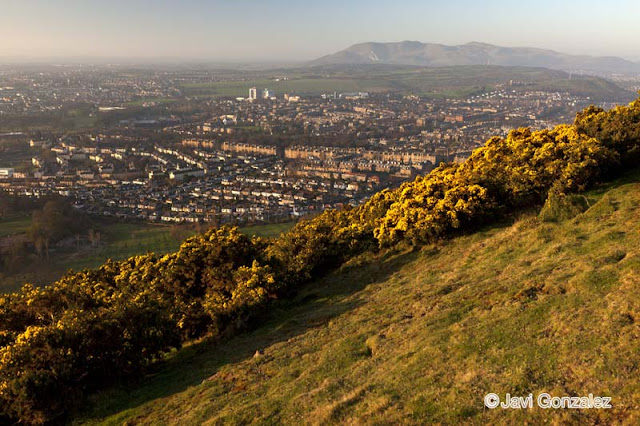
[(98, 327)]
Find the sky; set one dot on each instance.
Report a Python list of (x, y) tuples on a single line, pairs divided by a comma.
[(299, 30)]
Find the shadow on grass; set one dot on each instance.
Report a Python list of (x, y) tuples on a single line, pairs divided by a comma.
[(620, 178), (314, 306)]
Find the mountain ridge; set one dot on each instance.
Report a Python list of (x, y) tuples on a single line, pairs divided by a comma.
[(472, 53)]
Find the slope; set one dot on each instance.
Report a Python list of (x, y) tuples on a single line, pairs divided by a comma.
[(418, 336)]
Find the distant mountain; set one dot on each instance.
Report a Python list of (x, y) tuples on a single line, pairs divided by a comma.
[(437, 55)]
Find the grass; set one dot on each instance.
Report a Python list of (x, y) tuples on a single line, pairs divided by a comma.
[(307, 86), (118, 241), (14, 225), (421, 336), (79, 119), (155, 100), (124, 240), (267, 231)]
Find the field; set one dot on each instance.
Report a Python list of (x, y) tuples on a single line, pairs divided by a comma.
[(14, 225), (15, 153), (267, 231), (70, 118), (123, 240), (453, 82), (119, 241), (143, 101), (303, 85), (420, 336), (126, 240), (80, 119)]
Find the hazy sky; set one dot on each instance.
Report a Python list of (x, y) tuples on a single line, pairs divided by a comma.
[(259, 30)]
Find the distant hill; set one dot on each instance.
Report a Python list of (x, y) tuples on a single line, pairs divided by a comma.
[(438, 55)]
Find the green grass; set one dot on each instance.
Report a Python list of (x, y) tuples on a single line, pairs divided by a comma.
[(157, 100), (118, 241), (123, 240), (268, 230), (80, 118), (422, 336), (126, 240), (14, 225), (303, 85)]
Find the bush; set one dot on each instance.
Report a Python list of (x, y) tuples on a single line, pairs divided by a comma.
[(617, 129), (560, 206), (45, 371), (504, 175)]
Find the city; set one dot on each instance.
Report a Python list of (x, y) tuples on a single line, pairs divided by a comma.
[(267, 157)]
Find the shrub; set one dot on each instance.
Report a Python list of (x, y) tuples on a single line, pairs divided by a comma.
[(560, 206)]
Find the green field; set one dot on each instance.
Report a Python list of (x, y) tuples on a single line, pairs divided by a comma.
[(14, 225), (126, 240), (123, 240), (267, 231), (453, 82), (118, 241), (303, 85), (420, 336), (140, 102), (80, 119)]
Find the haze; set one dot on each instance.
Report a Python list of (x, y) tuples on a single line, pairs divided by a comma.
[(287, 30)]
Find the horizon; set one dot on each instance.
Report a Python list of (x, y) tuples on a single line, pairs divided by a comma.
[(177, 60), (281, 31)]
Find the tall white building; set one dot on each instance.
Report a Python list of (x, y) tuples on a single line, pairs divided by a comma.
[(266, 94), (253, 94)]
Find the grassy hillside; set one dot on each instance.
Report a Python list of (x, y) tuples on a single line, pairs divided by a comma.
[(422, 336)]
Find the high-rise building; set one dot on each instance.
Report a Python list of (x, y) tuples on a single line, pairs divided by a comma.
[(266, 94), (253, 94)]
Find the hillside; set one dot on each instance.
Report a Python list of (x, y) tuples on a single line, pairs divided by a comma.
[(438, 55), (417, 336)]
